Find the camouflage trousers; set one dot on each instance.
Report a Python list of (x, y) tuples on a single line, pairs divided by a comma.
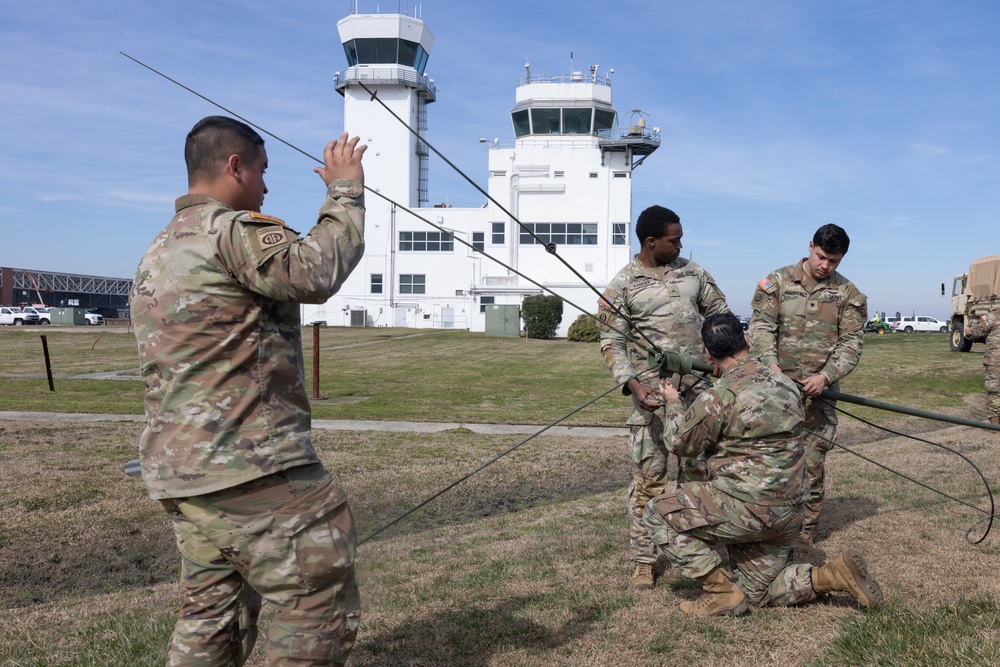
[(686, 523), (821, 419), (650, 455), (992, 391), (288, 537)]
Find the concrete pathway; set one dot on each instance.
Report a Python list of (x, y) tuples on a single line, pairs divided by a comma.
[(356, 425)]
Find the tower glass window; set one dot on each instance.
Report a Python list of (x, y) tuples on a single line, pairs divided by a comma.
[(545, 121), (576, 121), (384, 51), (604, 120), (522, 126)]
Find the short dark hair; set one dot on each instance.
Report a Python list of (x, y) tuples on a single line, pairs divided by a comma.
[(723, 335), (832, 239), (212, 140), (653, 222)]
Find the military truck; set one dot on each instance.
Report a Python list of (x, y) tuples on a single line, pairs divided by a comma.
[(973, 294)]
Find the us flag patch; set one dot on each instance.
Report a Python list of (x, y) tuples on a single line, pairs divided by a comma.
[(765, 284)]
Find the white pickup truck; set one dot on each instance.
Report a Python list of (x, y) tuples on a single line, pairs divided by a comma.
[(16, 316), (93, 317), (43, 314)]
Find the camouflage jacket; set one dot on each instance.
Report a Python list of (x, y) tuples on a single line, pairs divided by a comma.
[(808, 332), (750, 425), (215, 305), (988, 326), (666, 304)]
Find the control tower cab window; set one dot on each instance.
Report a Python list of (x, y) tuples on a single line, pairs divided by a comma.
[(576, 121), (545, 121), (386, 51), (603, 122)]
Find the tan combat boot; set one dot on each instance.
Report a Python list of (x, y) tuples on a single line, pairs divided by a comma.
[(848, 573), (642, 577), (722, 597)]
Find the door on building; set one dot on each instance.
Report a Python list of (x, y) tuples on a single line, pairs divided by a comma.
[(448, 318), (401, 317)]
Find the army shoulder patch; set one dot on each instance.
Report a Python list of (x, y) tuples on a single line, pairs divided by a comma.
[(255, 216), (766, 285)]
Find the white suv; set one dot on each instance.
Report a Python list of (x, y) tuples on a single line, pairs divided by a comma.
[(93, 317), (921, 323)]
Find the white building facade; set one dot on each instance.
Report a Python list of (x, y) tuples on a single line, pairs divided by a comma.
[(566, 176)]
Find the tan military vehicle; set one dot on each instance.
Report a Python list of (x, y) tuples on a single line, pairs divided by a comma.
[(973, 294)]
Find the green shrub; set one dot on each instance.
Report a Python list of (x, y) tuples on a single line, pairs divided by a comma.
[(584, 329), (541, 314)]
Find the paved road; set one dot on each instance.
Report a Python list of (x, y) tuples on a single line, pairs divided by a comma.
[(354, 425)]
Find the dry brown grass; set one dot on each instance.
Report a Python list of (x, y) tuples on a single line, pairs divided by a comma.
[(524, 564)]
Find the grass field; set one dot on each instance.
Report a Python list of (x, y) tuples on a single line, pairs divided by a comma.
[(523, 564)]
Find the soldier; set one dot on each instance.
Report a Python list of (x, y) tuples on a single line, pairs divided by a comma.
[(807, 323), (750, 422), (988, 326), (665, 298), (227, 447)]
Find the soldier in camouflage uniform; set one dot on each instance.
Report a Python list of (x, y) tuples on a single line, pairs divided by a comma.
[(227, 447), (750, 424), (807, 323), (988, 327), (665, 298)]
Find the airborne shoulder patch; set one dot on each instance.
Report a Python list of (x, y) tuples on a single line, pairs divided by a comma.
[(256, 216)]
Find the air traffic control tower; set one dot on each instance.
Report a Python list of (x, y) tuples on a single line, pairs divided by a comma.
[(387, 53)]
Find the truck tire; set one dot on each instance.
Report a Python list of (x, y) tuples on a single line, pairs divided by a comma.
[(959, 343), (18, 323), (943, 329), (908, 329)]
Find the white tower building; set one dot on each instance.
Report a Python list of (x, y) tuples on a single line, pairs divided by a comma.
[(567, 176)]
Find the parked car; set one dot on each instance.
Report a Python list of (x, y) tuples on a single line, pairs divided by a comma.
[(16, 316), (93, 317), (43, 314), (921, 323)]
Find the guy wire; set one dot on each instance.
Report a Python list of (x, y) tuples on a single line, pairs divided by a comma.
[(487, 464), (622, 314), (990, 514)]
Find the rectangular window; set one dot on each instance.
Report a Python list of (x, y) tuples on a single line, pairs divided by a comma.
[(497, 237), (560, 233), (425, 242), (545, 121), (412, 283), (521, 125), (576, 121), (376, 283), (486, 301), (619, 233), (479, 241)]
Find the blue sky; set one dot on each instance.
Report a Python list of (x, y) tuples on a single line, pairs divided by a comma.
[(777, 116)]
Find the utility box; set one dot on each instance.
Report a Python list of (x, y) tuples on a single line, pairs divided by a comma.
[(68, 315), (359, 318), (503, 321)]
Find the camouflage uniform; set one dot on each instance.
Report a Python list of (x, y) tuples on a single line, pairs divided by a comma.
[(667, 304), (227, 445), (750, 424), (988, 326), (810, 327)]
